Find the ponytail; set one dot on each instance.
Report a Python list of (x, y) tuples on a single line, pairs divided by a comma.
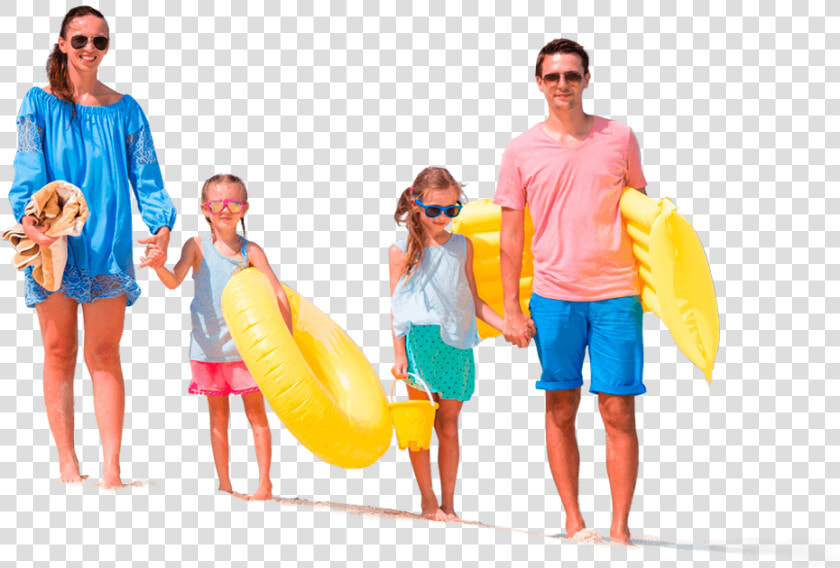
[(409, 215), (60, 84)]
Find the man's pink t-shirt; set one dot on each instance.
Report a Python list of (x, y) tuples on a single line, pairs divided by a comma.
[(581, 250)]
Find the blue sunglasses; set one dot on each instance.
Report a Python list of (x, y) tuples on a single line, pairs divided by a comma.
[(433, 211)]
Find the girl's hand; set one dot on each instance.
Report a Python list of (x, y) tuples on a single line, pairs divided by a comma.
[(37, 233), (154, 259), (160, 241), (400, 368)]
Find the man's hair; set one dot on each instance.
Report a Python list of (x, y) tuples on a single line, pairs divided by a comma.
[(563, 46)]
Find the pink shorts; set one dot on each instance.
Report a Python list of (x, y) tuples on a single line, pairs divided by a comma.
[(230, 377)]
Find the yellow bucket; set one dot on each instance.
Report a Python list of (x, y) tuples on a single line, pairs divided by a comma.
[(413, 419)]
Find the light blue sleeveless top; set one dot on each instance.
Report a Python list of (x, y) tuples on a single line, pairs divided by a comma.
[(438, 293), (210, 339)]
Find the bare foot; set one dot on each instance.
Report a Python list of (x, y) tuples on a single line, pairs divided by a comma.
[(262, 494), (572, 528), (451, 515), (587, 536), (112, 482), (431, 511), (226, 487), (620, 537), (69, 473)]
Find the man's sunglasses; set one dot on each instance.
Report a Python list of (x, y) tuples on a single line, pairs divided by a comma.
[(433, 211), (218, 205), (99, 42), (573, 78)]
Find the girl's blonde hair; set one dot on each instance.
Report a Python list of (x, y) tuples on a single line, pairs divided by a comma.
[(223, 178), (430, 178)]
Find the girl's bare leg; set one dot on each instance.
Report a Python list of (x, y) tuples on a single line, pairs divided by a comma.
[(219, 407), (423, 473), (446, 427), (255, 411)]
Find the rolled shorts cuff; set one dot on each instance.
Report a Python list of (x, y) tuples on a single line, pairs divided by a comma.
[(555, 385)]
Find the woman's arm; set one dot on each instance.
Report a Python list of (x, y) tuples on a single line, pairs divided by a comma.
[(482, 309), (258, 259), (395, 264), (144, 173)]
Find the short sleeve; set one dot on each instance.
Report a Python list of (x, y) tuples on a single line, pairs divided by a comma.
[(634, 177), (154, 203), (510, 191), (30, 165)]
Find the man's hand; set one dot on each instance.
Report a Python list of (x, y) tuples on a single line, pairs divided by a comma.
[(518, 329)]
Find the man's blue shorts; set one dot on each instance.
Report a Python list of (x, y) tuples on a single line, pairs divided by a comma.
[(612, 329)]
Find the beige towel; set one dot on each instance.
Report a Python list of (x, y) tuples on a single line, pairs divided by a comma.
[(64, 207)]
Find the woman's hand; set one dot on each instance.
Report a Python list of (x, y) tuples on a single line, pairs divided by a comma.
[(36, 232)]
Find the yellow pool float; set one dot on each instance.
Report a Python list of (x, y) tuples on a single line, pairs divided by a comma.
[(481, 221), (319, 383), (676, 283)]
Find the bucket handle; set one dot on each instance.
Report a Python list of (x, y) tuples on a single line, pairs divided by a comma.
[(416, 378)]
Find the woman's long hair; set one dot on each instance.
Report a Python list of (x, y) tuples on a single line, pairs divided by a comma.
[(223, 178), (60, 83), (429, 179)]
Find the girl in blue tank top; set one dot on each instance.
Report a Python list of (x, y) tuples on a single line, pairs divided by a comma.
[(217, 368), (434, 306)]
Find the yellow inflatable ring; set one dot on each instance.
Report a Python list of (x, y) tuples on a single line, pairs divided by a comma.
[(481, 221), (676, 283), (320, 384)]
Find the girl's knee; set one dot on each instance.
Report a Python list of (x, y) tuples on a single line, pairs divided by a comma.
[(257, 419), (446, 427)]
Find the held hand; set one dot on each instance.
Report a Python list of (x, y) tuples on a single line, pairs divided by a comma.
[(37, 232), (154, 258), (532, 328), (159, 240), (518, 329)]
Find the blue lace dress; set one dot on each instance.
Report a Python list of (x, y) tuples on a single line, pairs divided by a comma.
[(106, 151)]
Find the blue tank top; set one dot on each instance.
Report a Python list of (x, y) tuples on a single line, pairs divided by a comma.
[(210, 339), (438, 293)]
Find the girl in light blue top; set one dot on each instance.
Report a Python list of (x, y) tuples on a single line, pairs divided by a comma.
[(81, 131), (434, 306), (217, 368)]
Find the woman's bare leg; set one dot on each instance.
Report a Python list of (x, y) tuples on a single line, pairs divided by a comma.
[(104, 320), (57, 316)]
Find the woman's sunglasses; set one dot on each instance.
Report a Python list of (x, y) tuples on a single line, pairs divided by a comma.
[(433, 211), (99, 42), (218, 205)]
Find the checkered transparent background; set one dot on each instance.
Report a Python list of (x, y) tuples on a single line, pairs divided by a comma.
[(328, 110)]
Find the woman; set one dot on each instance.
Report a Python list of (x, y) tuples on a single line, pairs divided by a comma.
[(81, 131)]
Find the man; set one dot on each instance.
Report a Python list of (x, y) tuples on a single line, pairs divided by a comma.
[(571, 170)]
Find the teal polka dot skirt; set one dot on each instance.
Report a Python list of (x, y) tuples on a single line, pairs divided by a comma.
[(447, 370)]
